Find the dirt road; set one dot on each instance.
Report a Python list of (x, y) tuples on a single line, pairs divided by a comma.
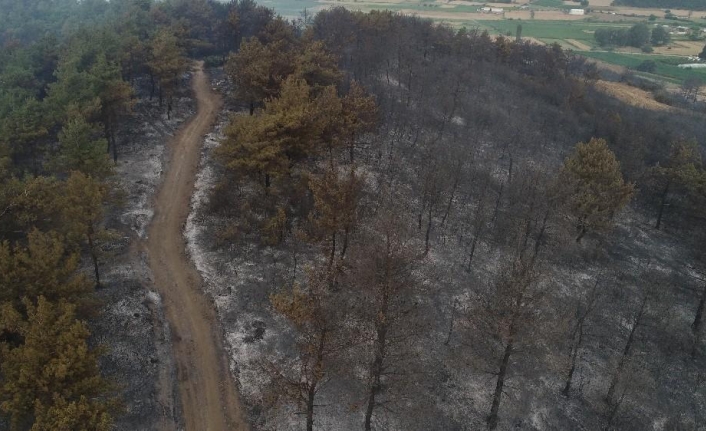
[(208, 394)]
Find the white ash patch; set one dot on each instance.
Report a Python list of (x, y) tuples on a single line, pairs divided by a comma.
[(132, 324), (154, 297)]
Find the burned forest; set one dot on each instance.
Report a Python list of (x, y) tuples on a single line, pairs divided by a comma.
[(214, 217)]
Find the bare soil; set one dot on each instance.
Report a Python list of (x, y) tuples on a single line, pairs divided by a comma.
[(208, 393)]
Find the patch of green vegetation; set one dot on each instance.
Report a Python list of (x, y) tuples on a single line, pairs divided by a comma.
[(551, 31), (552, 3), (665, 66), (289, 8)]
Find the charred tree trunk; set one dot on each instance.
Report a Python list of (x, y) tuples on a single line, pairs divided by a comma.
[(476, 235), (574, 356), (696, 326), (453, 193), (152, 86), (428, 233), (504, 365), (332, 254), (94, 256), (311, 393), (540, 236), (344, 246), (377, 365), (451, 324), (497, 202), (626, 354), (662, 204), (577, 335)]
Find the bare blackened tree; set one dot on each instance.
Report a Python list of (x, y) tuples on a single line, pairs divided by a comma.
[(510, 310), (584, 307), (381, 273)]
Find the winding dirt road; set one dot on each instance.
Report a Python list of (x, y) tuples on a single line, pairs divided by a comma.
[(208, 394)]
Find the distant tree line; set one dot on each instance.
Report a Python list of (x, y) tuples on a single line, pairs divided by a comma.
[(663, 4), (638, 36)]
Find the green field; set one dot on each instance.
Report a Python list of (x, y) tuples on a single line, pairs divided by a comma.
[(289, 8), (553, 3), (665, 65), (550, 31)]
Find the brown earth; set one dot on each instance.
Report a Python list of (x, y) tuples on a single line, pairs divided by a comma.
[(209, 398), (682, 47)]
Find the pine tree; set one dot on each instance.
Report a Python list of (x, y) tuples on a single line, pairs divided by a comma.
[(593, 187), (82, 209), (52, 377), (82, 149), (267, 145), (83, 414), (317, 314), (318, 67), (682, 173), (115, 97), (166, 64), (335, 208), (43, 268), (360, 115), (23, 133), (258, 71), (28, 204)]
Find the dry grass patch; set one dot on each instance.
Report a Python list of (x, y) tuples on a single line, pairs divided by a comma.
[(534, 40), (681, 47), (596, 3), (631, 95), (579, 45)]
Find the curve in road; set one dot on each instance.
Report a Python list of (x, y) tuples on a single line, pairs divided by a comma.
[(209, 397)]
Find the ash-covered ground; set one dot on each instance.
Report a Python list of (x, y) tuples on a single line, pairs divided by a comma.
[(449, 390), (132, 326)]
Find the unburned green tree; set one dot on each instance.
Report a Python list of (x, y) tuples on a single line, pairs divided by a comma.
[(592, 186), (166, 64), (681, 174), (81, 148)]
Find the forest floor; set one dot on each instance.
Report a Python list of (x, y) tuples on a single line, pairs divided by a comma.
[(208, 393)]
